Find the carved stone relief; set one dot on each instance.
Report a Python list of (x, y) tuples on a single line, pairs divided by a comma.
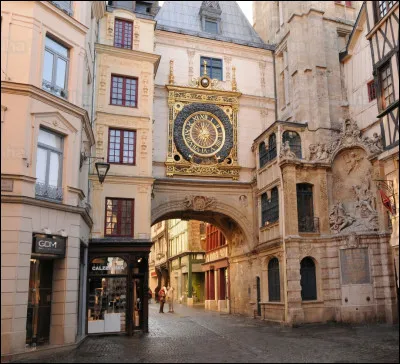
[(262, 65), (136, 34), (243, 201), (145, 83), (228, 61), (350, 136), (199, 203), (191, 53), (354, 202)]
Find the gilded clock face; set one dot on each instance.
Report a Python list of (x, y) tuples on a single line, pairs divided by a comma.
[(203, 133)]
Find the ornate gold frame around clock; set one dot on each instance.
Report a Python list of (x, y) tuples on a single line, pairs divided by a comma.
[(228, 101)]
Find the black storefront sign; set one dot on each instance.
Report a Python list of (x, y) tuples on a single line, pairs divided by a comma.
[(44, 244)]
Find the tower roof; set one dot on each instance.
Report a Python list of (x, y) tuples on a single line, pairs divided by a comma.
[(185, 17)]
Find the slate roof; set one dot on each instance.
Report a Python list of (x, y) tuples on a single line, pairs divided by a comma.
[(183, 17)]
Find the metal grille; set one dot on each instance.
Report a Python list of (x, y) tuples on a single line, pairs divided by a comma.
[(49, 192)]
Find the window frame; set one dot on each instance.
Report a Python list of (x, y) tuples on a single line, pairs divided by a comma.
[(123, 21), (303, 268), (384, 67), (124, 90), (56, 55), (274, 295), (371, 89), (210, 66), (270, 207), (121, 151), (119, 217), (49, 149), (211, 21), (378, 13)]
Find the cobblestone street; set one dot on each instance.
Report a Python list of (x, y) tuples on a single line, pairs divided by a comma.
[(193, 335)]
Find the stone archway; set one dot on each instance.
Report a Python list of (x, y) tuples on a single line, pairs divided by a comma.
[(227, 205)]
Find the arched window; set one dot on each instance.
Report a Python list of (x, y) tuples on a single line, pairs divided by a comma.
[(305, 208), (272, 147), (294, 142), (270, 208), (308, 280), (274, 287), (262, 151)]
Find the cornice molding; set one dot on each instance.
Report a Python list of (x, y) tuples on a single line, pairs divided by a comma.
[(120, 179), (75, 23), (78, 191), (52, 100), (129, 54), (25, 200), (19, 177)]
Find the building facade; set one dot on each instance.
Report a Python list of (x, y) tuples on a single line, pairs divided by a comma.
[(328, 256), (125, 66), (216, 270), (46, 127), (185, 256)]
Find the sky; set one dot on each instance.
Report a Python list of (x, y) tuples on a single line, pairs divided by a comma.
[(246, 6)]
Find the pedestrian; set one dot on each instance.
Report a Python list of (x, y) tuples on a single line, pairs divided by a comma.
[(150, 294), (161, 296), (170, 297)]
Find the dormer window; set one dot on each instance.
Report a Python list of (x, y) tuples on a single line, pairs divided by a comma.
[(211, 26)]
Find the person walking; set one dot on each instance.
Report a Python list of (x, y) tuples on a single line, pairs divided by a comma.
[(161, 296), (170, 297)]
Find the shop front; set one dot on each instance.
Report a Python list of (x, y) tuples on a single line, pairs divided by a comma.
[(45, 249), (117, 288)]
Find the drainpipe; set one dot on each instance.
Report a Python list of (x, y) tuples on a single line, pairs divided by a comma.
[(276, 100)]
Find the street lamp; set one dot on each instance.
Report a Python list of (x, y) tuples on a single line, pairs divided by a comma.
[(102, 170)]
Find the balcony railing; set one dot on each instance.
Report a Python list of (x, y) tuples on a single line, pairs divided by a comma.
[(65, 6), (309, 224), (48, 192), (58, 91)]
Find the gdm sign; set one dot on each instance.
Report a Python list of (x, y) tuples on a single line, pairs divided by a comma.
[(49, 245)]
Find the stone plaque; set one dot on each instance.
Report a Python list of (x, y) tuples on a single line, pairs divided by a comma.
[(355, 266), (7, 185)]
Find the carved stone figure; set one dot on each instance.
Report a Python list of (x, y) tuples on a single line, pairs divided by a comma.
[(339, 218), (352, 160), (365, 200), (286, 152), (318, 152)]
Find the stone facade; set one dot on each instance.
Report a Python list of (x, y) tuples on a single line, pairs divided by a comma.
[(32, 102)]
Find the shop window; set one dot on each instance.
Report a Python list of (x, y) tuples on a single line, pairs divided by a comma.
[(124, 91), (121, 146), (294, 142), (305, 207), (107, 300), (274, 288), (123, 33), (214, 67), (49, 166), (371, 91), (55, 67), (270, 207), (386, 85), (119, 217), (308, 280)]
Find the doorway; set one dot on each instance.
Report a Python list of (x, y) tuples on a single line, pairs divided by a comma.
[(39, 302)]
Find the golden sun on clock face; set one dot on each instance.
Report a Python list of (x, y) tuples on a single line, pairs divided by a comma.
[(203, 133)]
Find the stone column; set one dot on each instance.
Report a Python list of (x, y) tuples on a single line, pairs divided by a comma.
[(290, 199)]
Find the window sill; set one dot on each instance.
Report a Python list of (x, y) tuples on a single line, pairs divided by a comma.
[(38, 197), (123, 164), (55, 93), (308, 233), (312, 302), (131, 107), (275, 303)]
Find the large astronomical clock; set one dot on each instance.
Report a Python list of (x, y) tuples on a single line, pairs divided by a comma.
[(202, 130)]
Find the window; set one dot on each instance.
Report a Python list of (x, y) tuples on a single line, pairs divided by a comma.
[(123, 34), (305, 208), (308, 281), (371, 90), (270, 208), (55, 67), (121, 146), (387, 94), (294, 142), (214, 238), (49, 165), (123, 91), (270, 154), (65, 6), (119, 217), (211, 26), (382, 8), (274, 286), (214, 67)]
